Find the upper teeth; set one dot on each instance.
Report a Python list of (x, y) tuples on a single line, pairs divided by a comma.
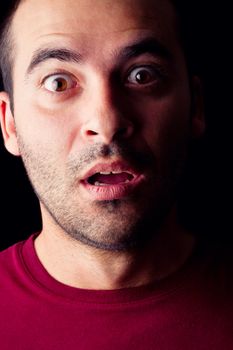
[(109, 172)]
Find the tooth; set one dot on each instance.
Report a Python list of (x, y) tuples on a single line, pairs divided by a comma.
[(105, 172), (97, 183)]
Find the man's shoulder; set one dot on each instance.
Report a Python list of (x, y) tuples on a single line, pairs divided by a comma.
[(8, 257), (11, 260), (7, 253)]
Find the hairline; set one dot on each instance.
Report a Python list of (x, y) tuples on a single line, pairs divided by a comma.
[(7, 42)]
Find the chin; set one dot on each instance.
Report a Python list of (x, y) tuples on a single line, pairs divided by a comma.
[(114, 230)]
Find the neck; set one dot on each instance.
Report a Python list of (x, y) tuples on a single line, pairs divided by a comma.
[(74, 264)]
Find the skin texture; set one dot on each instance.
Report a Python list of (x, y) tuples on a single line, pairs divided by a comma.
[(104, 116)]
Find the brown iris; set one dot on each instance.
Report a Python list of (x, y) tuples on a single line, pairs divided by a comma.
[(60, 84), (143, 77)]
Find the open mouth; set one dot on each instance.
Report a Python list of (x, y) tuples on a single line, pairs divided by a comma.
[(110, 181), (110, 178)]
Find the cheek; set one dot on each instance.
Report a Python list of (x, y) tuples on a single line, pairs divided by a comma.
[(46, 128), (166, 121)]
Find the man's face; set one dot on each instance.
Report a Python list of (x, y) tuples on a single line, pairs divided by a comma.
[(102, 110)]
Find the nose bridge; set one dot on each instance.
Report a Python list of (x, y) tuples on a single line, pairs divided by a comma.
[(105, 120), (104, 99)]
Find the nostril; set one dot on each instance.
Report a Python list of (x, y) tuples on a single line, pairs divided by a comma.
[(123, 132), (91, 133)]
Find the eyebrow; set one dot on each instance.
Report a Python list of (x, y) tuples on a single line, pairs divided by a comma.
[(60, 54), (148, 45)]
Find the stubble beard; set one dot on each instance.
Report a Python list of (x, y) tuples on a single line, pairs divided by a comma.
[(115, 225)]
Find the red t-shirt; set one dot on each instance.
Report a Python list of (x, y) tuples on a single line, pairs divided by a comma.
[(190, 310)]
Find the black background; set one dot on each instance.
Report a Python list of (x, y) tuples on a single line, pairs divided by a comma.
[(208, 195)]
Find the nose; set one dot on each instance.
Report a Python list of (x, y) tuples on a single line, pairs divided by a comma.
[(106, 119)]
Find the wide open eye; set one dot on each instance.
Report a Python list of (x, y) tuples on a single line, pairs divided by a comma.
[(143, 75), (59, 83)]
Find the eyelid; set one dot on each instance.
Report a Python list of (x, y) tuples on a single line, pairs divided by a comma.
[(58, 73), (158, 69), (151, 66)]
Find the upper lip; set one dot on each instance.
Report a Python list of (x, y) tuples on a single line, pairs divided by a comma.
[(116, 166)]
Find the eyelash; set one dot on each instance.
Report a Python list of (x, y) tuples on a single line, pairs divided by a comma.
[(158, 71), (54, 94)]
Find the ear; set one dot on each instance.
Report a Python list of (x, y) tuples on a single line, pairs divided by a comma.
[(8, 125), (198, 114)]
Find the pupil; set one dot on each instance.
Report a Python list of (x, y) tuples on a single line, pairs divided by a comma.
[(60, 85), (142, 77)]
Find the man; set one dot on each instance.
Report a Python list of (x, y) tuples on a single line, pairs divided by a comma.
[(101, 106)]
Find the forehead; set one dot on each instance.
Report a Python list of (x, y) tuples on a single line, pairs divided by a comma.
[(93, 10), (91, 16), (91, 24)]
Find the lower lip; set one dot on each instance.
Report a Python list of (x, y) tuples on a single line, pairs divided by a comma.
[(112, 192)]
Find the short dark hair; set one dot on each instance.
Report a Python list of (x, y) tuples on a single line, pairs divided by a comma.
[(186, 14), (6, 45)]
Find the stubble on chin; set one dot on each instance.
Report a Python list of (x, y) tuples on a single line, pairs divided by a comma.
[(108, 225)]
